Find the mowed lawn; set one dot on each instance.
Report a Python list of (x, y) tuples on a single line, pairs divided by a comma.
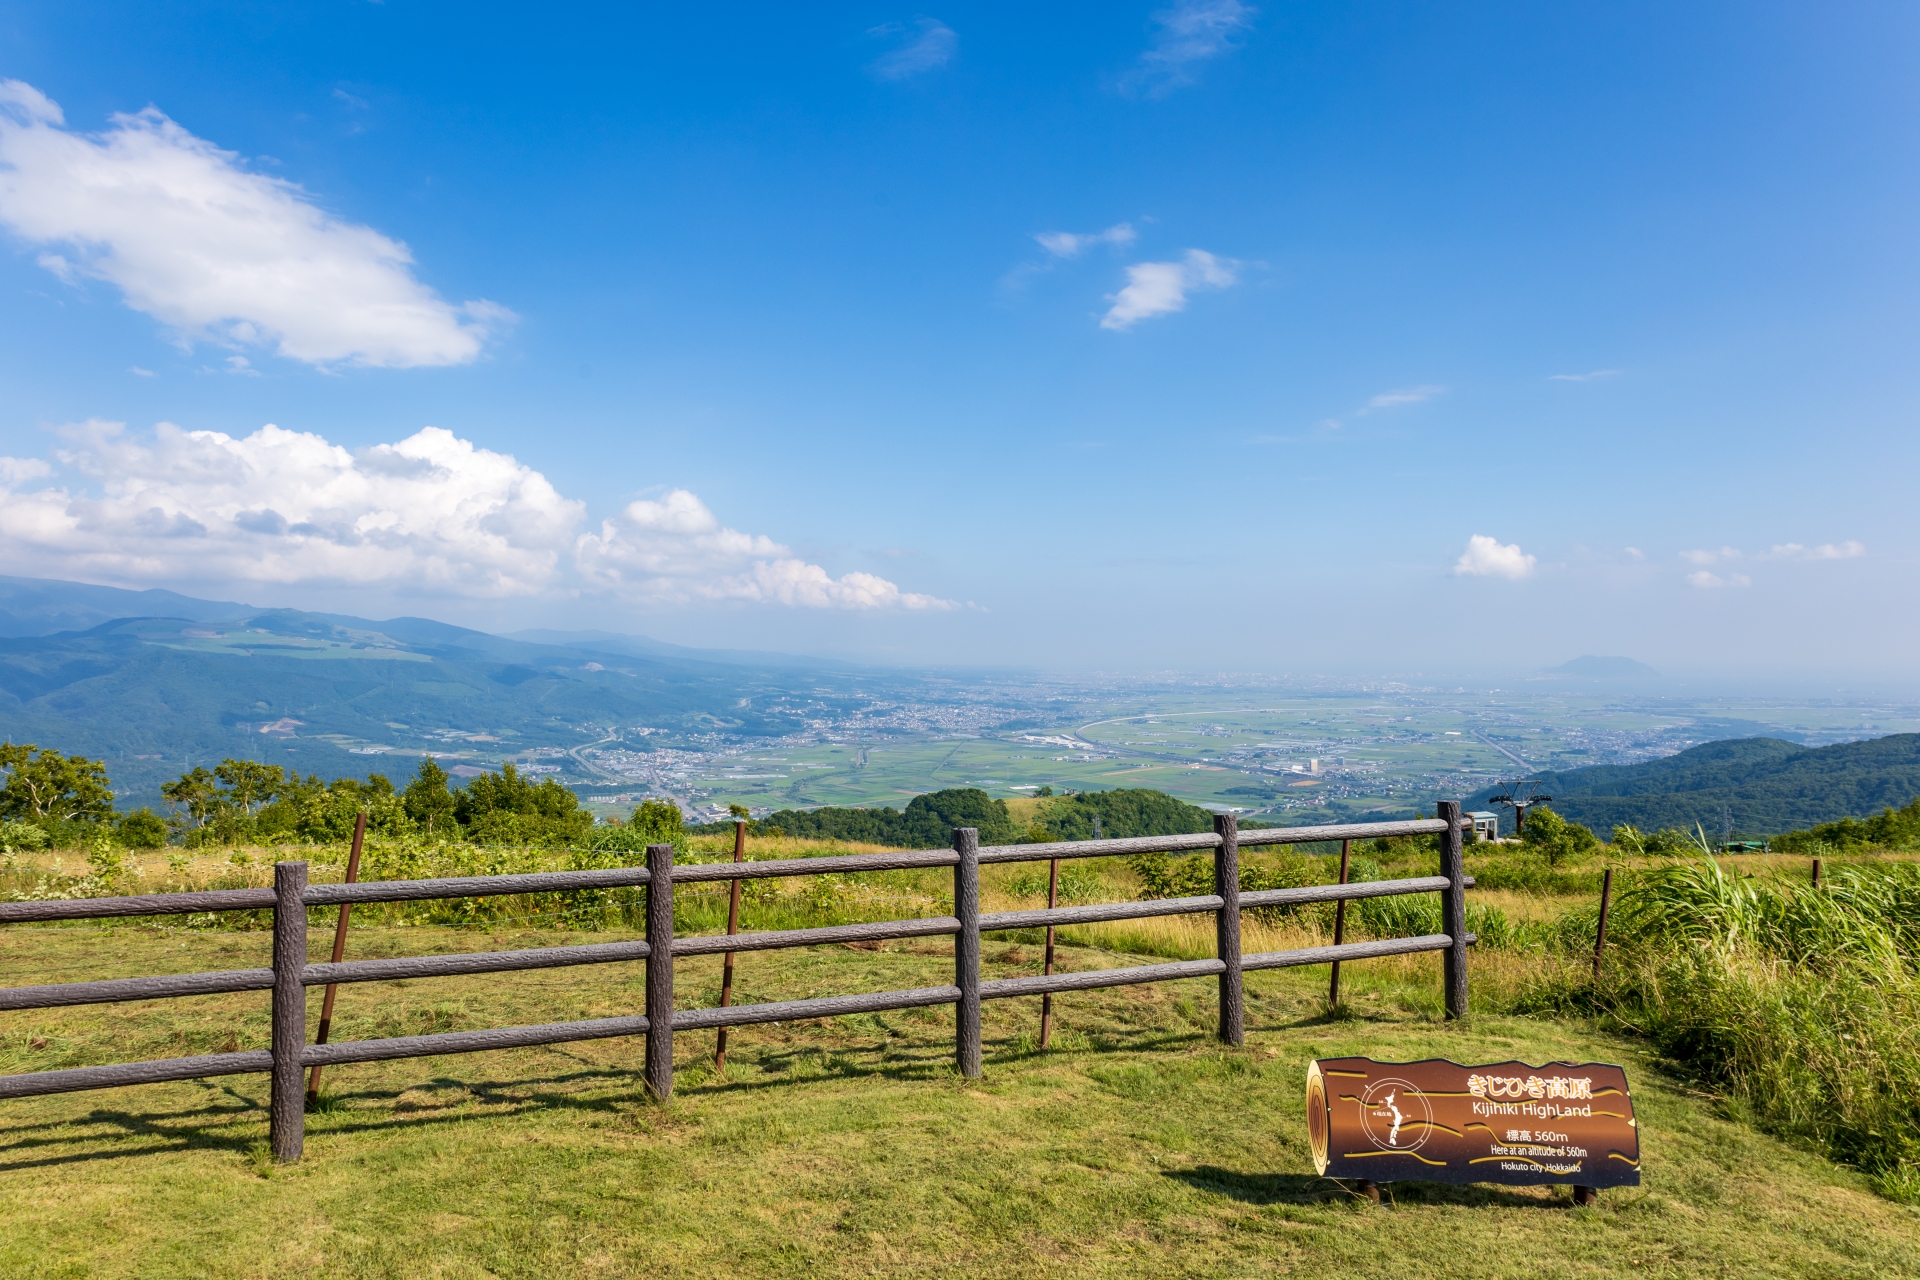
[(1137, 1146)]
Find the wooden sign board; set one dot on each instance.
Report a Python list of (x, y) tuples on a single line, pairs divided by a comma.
[(1437, 1121)]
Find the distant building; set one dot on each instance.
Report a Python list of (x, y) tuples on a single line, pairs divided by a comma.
[(1486, 826)]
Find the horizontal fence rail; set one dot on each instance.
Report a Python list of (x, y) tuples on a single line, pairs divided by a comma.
[(291, 974)]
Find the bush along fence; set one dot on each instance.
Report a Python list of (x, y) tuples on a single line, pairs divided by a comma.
[(291, 974)]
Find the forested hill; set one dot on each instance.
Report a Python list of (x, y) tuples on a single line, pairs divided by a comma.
[(340, 696), (1766, 785)]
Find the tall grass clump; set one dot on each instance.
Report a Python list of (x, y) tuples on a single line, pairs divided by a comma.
[(1801, 1004)]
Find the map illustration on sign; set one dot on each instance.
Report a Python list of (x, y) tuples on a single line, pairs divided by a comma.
[(1438, 1121), (1387, 1124)]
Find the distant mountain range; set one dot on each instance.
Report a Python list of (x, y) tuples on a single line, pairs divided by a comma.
[(153, 682), (1764, 785)]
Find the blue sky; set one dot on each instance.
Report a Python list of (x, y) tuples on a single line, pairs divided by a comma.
[(1278, 338)]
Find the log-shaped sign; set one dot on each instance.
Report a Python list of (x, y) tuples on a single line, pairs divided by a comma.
[(1437, 1121)]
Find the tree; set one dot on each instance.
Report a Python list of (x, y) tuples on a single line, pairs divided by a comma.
[(1554, 838), (45, 786), (251, 784), (196, 793), (427, 799), (658, 822)]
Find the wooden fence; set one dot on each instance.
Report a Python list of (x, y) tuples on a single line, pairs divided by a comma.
[(291, 897)]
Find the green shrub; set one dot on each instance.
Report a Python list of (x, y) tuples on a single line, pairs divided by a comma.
[(22, 837), (141, 829)]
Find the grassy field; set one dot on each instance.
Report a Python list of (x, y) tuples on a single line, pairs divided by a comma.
[(1137, 1146)]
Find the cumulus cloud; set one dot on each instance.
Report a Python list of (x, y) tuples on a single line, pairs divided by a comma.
[(1825, 551), (1065, 244), (1486, 558), (431, 514), (930, 44), (675, 549), (1704, 556), (1188, 35), (193, 238), (1158, 288), (1709, 581)]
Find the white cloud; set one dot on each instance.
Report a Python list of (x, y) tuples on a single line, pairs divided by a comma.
[(932, 46), (138, 372), (1486, 558), (1708, 581), (1157, 288), (1635, 553), (1408, 395), (1710, 557), (1065, 244), (1596, 376), (1189, 34), (676, 550), (214, 251), (1825, 551), (19, 470), (432, 514)]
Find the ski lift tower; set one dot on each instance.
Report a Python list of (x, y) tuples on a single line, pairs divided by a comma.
[(1514, 800)]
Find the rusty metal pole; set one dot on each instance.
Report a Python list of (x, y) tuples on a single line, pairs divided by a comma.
[(339, 951), (1816, 873), (1046, 1001), (1339, 929), (1600, 935), (733, 927)]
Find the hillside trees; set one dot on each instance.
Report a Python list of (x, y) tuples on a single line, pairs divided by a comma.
[(504, 808), (927, 822), (1891, 828), (1126, 811), (244, 800), (47, 787)]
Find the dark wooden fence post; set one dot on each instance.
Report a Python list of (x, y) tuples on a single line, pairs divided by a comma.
[(1453, 907), (660, 971), (1339, 929), (966, 951), (1053, 900), (287, 1110), (1226, 884), (733, 927)]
